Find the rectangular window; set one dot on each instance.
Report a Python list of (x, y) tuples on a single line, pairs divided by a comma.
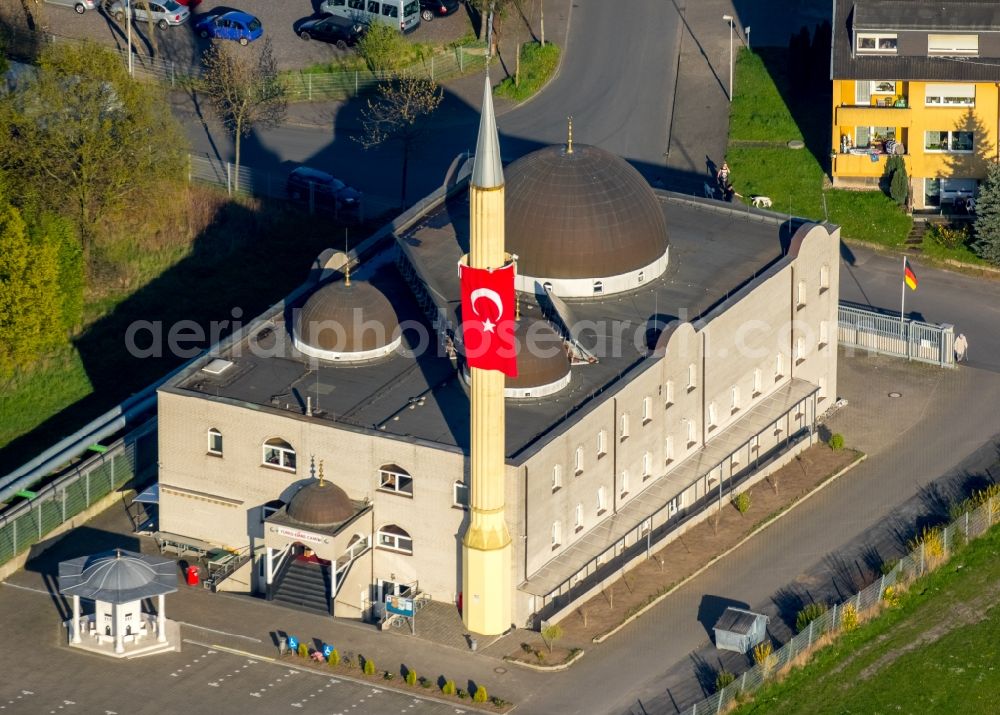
[(668, 449), (578, 517), (756, 382), (692, 376), (961, 142), (779, 366), (953, 44), (822, 389), (734, 462), (879, 43), (602, 447), (556, 534), (556, 477), (950, 95), (692, 428), (873, 137), (824, 333), (800, 350), (754, 443), (624, 426), (713, 416), (800, 294), (602, 501), (735, 394), (624, 483), (579, 460), (647, 465), (460, 495), (214, 442), (675, 505), (824, 278), (647, 409), (395, 482), (373, 7), (670, 392)]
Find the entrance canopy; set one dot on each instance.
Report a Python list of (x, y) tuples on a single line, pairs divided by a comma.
[(149, 496), (117, 577)]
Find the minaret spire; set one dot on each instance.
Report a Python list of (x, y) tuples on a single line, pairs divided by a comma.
[(487, 169), (569, 135)]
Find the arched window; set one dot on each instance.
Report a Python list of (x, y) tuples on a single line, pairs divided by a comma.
[(393, 538), (279, 454), (215, 442), (393, 478)]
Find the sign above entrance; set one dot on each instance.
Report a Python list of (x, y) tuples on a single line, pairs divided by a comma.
[(399, 606), (298, 534)]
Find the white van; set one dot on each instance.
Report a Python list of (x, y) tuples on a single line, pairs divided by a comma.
[(404, 14)]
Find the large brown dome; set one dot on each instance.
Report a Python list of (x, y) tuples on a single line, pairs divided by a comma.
[(320, 503), (541, 356), (581, 214), (341, 318)]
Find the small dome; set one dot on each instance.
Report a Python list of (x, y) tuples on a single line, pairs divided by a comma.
[(542, 364), (346, 321), (584, 214), (320, 503)]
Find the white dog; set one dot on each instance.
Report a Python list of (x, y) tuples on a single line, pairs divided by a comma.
[(761, 202)]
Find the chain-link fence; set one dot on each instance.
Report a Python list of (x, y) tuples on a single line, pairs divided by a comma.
[(970, 525), (130, 459), (25, 45)]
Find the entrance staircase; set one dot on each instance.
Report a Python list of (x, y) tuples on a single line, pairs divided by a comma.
[(304, 586)]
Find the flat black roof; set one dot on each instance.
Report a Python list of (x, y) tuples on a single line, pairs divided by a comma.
[(914, 16), (715, 249)]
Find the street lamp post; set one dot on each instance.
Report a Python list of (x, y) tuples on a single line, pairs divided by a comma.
[(128, 31), (729, 19)]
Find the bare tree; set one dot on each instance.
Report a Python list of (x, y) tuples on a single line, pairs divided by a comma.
[(245, 89), (399, 112)]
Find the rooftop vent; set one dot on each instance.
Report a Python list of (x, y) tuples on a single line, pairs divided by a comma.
[(217, 366)]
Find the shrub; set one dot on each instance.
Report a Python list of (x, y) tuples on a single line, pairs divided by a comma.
[(848, 618), (334, 658), (425, 683), (809, 614), (742, 502), (448, 688), (499, 702), (723, 679), (887, 566), (552, 633), (303, 650), (411, 677), (481, 696), (369, 666), (461, 693), (890, 596), (947, 236), (932, 540), (836, 441), (899, 186), (388, 676)]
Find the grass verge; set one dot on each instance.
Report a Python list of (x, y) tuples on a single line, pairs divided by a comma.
[(537, 66), (935, 652)]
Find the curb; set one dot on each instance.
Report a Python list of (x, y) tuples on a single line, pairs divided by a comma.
[(548, 668), (770, 520)]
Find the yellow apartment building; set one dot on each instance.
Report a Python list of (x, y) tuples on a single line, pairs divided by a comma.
[(920, 79)]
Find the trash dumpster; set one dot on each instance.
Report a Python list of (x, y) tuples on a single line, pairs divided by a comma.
[(192, 575)]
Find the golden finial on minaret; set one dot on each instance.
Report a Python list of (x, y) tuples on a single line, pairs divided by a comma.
[(569, 135), (347, 262), (517, 306), (321, 472)]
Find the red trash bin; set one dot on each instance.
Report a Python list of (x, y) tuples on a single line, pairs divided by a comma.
[(192, 575)]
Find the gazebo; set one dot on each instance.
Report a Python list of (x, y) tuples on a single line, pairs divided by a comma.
[(118, 581)]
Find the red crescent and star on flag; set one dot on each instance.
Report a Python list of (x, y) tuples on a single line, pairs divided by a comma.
[(488, 324)]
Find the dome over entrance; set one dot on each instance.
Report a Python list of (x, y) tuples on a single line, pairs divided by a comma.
[(579, 215), (346, 320), (542, 365), (320, 503)]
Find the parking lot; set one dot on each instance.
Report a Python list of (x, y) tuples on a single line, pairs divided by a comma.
[(182, 47)]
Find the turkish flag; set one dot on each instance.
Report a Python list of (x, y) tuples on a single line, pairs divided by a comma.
[(488, 318)]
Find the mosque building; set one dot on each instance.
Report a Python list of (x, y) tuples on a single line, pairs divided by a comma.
[(670, 350)]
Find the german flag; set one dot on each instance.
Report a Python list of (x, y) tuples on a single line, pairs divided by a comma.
[(909, 276)]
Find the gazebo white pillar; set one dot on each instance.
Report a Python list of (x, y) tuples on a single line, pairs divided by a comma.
[(269, 569), (161, 619), (76, 619), (117, 629)]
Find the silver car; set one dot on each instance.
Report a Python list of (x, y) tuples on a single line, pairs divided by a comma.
[(163, 12), (81, 6)]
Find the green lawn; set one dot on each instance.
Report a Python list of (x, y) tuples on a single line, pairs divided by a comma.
[(765, 116), (935, 653), (537, 66)]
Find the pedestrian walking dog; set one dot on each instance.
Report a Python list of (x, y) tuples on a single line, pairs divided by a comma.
[(761, 202)]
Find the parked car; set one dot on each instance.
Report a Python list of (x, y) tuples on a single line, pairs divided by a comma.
[(233, 25), (163, 12), (326, 190), (337, 31), (404, 14), (190, 3), (81, 6), (429, 9)]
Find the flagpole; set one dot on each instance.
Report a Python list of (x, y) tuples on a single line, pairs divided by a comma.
[(902, 310)]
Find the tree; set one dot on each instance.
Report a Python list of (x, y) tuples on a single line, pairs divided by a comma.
[(399, 112), (988, 215), (493, 11), (552, 633), (381, 47), (30, 318), (899, 186), (245, 89), (84, 137)]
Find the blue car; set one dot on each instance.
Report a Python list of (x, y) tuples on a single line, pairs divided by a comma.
[(239, 26)]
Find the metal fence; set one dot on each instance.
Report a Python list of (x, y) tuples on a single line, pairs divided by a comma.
[(131, 458), (969, 525), (879, 332), (25, 45)]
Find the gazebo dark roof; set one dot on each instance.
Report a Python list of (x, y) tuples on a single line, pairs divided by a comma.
[(117, 576)]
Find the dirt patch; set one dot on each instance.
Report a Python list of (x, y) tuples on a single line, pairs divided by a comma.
[(533, 651), (700, 544)]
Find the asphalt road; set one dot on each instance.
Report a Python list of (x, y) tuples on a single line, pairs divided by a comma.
[(616, 83)]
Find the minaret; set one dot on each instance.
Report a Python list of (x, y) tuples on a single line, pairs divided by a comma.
[(486, 548)]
